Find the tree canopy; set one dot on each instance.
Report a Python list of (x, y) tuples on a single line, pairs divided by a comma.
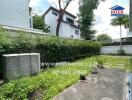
[(38, 23), (120, 20), (86, 17), (104, 38)]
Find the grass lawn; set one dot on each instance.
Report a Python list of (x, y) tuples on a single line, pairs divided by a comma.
[(54, 80)]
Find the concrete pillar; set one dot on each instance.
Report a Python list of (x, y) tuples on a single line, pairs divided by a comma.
[(130, 20), (130, 96), (20, 65)]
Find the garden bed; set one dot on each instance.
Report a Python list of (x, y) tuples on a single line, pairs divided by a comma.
[(54, 80)]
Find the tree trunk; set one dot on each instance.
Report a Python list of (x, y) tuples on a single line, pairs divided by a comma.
[(60, 18), (121, 38), (61, 13)]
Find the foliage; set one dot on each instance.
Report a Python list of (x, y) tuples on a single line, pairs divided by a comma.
[(4, 44), (52, 49), (104, 38), (38, 23), (126, 21), (121, 52), (100, 60), (55, 49), (86, 17), (53, 81), (120, 20), (117, 62)]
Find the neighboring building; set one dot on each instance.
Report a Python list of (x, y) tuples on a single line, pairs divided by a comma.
[(15, 13), (69, 27)]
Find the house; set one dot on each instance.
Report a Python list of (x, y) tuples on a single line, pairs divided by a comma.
[(15, 13), (69, 27)]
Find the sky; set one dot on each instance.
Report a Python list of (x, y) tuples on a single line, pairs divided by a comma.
[(102, 14)]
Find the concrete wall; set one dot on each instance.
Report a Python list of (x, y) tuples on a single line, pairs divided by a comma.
[(66, 30), (15, 13), (20, 65), (113, 49)]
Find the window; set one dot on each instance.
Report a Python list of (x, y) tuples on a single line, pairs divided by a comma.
[(69, 20), (54, 13), (76, 32)]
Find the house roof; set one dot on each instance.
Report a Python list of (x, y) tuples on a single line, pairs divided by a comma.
[(52, 8), (117, 7)]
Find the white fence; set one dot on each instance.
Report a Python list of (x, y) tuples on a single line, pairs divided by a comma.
[(113, 49), (32, 31)]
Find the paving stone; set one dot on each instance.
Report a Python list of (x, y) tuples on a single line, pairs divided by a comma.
[(108, 84)]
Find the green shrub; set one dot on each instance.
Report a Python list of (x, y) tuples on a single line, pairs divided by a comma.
[(52, 49), (57, 49), (100, 61), (121, 52), (49, 82)]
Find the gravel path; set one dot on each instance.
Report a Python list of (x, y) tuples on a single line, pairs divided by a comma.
[(108, 84)]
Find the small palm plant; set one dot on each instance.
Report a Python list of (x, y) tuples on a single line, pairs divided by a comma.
[(100, 62), (94, 68), (120, 21)]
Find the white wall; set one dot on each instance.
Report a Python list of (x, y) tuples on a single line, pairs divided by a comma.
[(64, 30), (72, 30), (67, 31), (113, 49), (51, 20), (15, 13)]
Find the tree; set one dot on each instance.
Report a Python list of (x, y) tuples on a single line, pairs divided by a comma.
[(61, 13), (104, 38), (38, 23), (120, 21), (126, 20), (89, 35), (86, 17)]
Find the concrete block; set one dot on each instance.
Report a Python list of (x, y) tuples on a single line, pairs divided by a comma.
[(20, 65)]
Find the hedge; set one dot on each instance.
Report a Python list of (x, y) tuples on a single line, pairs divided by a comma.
[(52, 49)]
